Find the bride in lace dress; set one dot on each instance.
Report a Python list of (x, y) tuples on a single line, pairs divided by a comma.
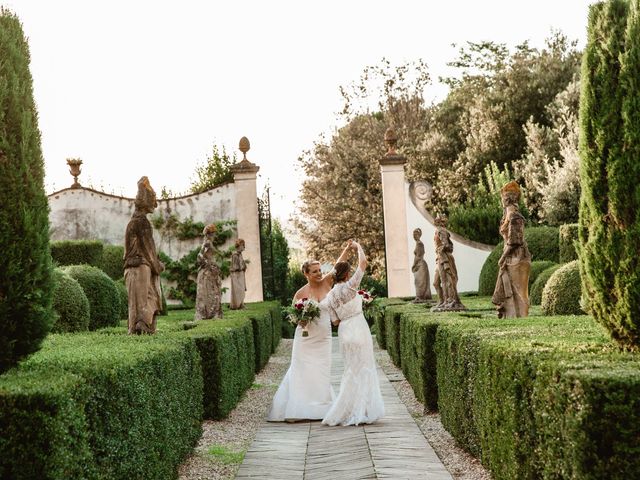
[(306, 392), (359, 400)]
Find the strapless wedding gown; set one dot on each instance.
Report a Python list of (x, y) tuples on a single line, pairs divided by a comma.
[(306, 391), (360, 400)]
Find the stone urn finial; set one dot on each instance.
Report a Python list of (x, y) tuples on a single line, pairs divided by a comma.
[(75, 170), (244, 146), (391, 139)]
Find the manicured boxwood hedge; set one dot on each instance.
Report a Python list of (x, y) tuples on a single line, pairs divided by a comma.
[(537, 267), (112, 261), (102, 293), (123, 310), (535, 292), (376, 317), (131, 409), (77, 252), (108, 405), (537, 397), (541, 397), (561, 294), (70, 304)]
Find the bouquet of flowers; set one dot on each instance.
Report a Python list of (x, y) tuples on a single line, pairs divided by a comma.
[(367, 297), (304, 310)]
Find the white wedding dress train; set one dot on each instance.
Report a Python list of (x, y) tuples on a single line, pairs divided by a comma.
[(360, 400), (306, 392)]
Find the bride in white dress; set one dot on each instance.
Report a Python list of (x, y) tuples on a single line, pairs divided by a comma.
[(359, 400), (306, 392)]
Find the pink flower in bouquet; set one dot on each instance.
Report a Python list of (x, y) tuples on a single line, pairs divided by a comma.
[(304, 310), (367, 297)]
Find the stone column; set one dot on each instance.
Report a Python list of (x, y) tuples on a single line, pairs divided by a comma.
[(244, 177), (395, 219)]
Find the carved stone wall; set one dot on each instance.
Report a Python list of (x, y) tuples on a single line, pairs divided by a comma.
[(86, 214), (470, 256)]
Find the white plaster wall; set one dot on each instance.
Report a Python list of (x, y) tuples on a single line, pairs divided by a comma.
[(469, 260), (85, 214)]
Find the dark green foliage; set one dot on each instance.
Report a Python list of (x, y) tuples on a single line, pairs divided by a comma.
[(102, 293), (543, 245), (561, 294), (185, 271), (609, 146), (477, 223), (216, 171), (83, 406), (25, 263), (377, 319), (417, 339), (535, 292), (568, 242), (123, 310), (112, 262), (392, 334), (295, 281), (118, 393), (44, 426), (374, 286), (70, 304), (78, 252), (275, 259), (228, 363), (537, 267), (540, 397), (262, 339)]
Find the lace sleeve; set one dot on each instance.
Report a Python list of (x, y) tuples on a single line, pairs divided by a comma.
[(356, 278)]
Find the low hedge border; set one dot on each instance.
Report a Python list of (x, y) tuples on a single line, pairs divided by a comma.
[(77, 252), (539, 397), (108, 405)]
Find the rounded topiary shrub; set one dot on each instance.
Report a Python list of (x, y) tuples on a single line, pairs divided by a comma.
[(124, 299), (77, 252), (543, 245), (537, 267), (568, 241), (561, 294), (535, 292), (112, 262), (104, 299), (70, 304)]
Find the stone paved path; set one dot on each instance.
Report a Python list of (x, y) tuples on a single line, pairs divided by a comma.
[(393, 447)]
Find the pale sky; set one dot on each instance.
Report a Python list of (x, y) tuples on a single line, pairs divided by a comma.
[(147, 87)]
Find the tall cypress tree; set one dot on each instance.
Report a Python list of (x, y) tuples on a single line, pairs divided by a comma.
[(25, 260), (609, 224)]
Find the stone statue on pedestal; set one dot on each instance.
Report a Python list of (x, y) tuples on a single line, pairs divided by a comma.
[(420, 270), (446, 276), (209, 285), (511, 295), (142, 267), (238, 284)]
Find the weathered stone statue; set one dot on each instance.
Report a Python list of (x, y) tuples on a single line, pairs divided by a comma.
[(420, 270), (238, 284), (209, 285), (446, 276), (142, 267), (511, 295)]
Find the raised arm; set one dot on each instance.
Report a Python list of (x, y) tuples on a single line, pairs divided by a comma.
[(345, 253), (355, 280), (328, 277)]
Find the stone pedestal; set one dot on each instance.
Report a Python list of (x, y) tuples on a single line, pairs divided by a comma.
[(244, 176), (399, 274)]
